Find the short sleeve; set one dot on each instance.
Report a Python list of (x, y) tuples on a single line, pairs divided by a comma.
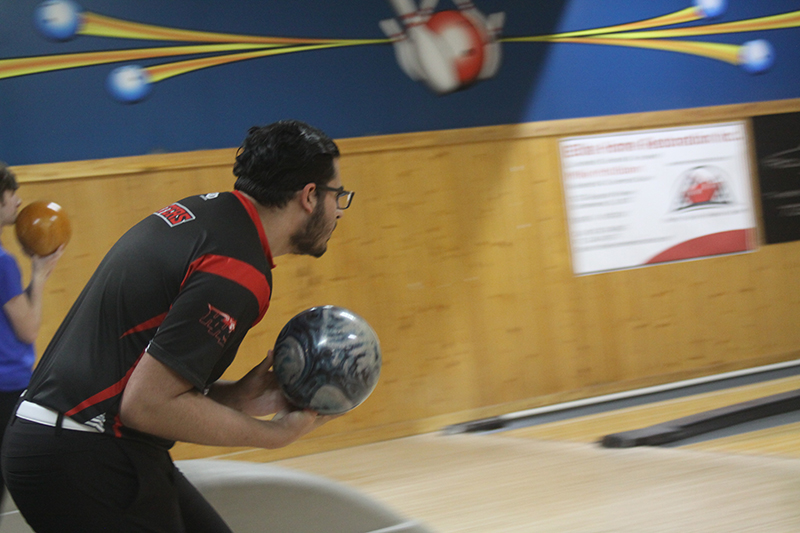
[(204, 327), (10, 278)]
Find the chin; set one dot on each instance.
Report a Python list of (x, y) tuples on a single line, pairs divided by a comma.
[(322, 248)]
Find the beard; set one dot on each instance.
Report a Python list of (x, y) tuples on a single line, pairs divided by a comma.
[(313, 238)]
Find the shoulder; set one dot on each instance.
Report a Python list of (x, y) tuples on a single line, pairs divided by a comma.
[(199, 207), (214, 223)]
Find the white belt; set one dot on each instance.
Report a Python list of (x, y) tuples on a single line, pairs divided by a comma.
[(33, 412)]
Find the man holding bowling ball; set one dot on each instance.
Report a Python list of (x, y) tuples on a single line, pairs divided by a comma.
[(22, 309), (135, 365)]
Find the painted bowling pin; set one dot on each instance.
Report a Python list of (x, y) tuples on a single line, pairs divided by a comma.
[(492, 50), (426, 9), (403, 48), (434, 58)]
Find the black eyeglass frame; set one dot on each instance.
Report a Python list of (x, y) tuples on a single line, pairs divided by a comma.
[(340, 193)]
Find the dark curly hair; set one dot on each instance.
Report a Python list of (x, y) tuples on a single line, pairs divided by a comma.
[(8, 181), (277, 160)]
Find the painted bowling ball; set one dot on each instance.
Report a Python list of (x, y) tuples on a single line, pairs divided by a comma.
[(327, 359), (58, 19), (129, 84), (756, 56), (464, 41), (42, 227)]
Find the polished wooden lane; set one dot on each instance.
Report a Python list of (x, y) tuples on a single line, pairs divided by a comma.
[(556, 478), (493, 483)]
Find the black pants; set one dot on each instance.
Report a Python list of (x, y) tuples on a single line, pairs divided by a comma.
[(8, 403), (65, 480)]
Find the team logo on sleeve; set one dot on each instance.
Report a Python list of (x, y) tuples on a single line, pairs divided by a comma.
[(175, 214), (220, 325)]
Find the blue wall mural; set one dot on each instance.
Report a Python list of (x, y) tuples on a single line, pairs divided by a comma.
[(90, 79)]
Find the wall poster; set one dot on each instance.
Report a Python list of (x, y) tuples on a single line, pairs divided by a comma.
[(645, 197)]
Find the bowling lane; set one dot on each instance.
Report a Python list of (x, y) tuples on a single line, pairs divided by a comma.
[(554, 477), (591, 428), (492, 484)]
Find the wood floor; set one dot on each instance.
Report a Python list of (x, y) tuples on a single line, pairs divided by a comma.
[(473, 483), (555, 478)]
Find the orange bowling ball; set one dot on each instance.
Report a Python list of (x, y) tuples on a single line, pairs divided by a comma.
[(42, 227)]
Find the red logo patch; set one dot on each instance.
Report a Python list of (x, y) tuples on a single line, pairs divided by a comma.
[(175, 214), (220, 325)]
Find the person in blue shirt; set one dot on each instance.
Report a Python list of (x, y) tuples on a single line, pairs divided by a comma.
[(22, 309)]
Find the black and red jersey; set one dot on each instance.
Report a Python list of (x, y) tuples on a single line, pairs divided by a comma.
[(185, 284)]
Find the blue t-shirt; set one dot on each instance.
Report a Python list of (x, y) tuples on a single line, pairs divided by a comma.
[(16, 357)]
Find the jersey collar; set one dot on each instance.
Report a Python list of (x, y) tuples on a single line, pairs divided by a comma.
[(251, 210)]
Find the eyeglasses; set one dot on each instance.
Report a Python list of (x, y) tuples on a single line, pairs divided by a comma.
[(343, 198)]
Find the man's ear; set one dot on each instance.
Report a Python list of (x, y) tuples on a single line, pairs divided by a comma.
[(308, 197)]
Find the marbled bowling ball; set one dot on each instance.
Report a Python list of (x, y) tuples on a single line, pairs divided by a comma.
[(327, 359)]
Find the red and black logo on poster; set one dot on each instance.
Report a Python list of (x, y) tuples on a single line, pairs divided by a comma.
[(220, 324), (175, 214), (702, 187)]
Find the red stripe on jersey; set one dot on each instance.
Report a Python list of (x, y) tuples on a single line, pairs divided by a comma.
[(237, 271), (103, 395), (117, 426), (251, 210), (148, 324)]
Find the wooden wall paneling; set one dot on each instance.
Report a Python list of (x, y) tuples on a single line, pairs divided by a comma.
[(498, 280), (528, 200), (456, 250), (509, 300), (428, 212), (783, 272), (553, 280)]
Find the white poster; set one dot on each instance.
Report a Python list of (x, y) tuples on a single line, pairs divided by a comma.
[(654, 196)]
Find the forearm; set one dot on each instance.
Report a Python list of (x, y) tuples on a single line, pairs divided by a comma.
[(225, 393), (192, 417), (256, 394), (35, 294), (24, 312), (158, 401)]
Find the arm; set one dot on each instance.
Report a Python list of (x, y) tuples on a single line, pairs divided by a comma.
[(160, 402), (24, 311), (256, 394)]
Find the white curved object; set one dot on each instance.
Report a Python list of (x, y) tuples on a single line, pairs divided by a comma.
[(257, 497)]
